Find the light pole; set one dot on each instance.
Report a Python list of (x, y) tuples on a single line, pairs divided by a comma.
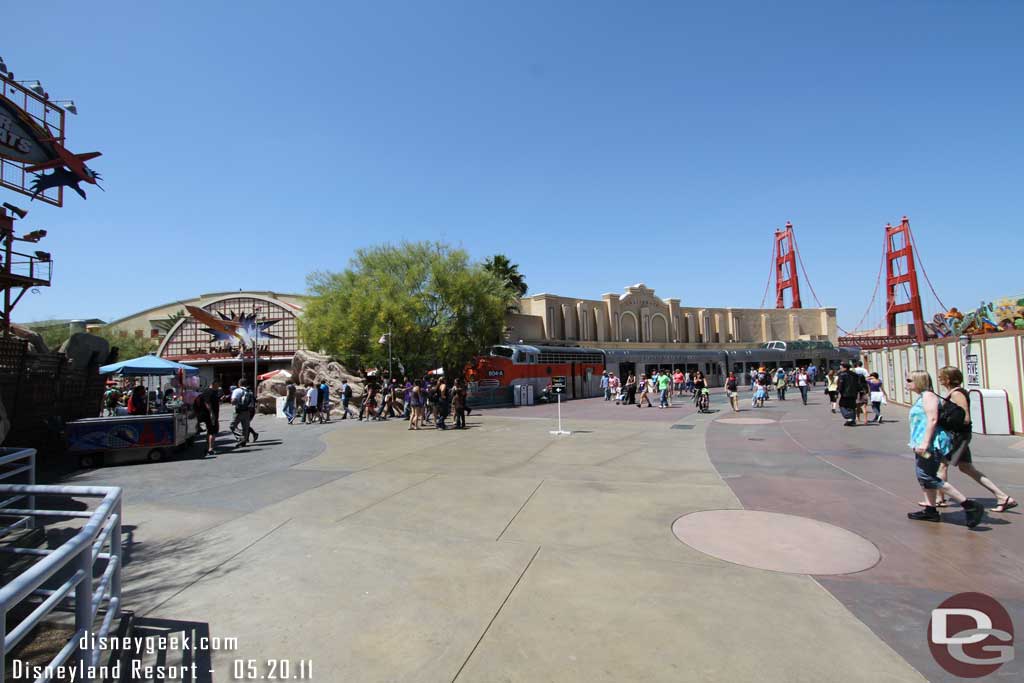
[(255, 346)]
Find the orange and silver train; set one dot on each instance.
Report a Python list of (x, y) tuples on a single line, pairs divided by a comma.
[(506, 365)]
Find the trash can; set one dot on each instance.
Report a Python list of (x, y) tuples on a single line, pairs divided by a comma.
[(517, 395), (990, 411)]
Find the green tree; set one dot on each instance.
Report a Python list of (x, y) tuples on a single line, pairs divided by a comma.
[(128, 346), (440, 308)]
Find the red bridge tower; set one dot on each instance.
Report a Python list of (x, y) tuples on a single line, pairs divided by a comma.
[(899, 245), (785, 267)]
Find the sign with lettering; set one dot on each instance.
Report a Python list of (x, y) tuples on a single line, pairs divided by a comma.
[(973, 373), (558, 384), (21, 139)]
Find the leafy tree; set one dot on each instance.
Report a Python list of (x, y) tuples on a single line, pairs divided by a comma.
[(440, 308), (128, 346)]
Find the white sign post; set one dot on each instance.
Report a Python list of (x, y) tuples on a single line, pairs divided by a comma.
[(558, 386)]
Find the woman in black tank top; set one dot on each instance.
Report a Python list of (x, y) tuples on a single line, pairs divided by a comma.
[(951, 378)]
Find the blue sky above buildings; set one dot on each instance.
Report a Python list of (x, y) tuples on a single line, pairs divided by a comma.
[(598, 144)]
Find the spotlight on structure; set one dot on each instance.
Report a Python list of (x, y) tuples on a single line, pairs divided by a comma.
[(20, 213), (43, 255), (3, 67), (33, 236), (69, 106), (34, 86)]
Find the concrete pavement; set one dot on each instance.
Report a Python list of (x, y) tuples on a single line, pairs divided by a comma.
[(503, 553)]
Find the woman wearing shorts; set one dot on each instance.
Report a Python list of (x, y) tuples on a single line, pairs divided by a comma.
[(931, 445), (951, 379), (832, 388), (877, 396), (732, 391)]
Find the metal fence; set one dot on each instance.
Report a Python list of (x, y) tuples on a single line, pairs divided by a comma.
[(90, 560), (40, 390)]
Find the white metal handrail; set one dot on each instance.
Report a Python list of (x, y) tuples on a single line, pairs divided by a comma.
[(81, 553), (14, 462)]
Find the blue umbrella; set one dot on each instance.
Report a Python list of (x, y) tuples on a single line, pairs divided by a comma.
[(147, 365)]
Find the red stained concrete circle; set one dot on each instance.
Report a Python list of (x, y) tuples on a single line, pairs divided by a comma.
[(745, 420), (777, 542)]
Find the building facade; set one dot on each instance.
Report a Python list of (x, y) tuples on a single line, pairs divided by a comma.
[(640, 317), (268, 318)]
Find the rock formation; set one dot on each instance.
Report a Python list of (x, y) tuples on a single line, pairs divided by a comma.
[(309, 367)]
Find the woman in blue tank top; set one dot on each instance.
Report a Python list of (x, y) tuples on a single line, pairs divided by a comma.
[(931, 444)]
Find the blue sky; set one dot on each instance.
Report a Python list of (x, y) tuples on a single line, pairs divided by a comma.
[(596, 143)]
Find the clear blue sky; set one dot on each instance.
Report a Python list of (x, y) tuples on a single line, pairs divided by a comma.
[(596, 143)]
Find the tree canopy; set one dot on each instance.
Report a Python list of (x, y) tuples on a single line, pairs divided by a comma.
[(440, 308)]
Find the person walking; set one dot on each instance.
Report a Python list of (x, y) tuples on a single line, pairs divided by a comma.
[(289, 401), (406, 398), (323, 406), (849, 387), (644, 389), (606, 387), (111, 400), (803, 384), (207, 410), (444, 402), (951, 379), (311, 404), (832, 388), (678, 382), (346, 399), (416, 408), (459, 404), (243, 400), (630, 388), (664, 386), (616, 387), (812, 374), (780, 384), (876, 394), (732, 391), (931, 444)]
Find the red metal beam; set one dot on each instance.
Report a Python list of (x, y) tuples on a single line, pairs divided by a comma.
[(785, 268), (900, 235)]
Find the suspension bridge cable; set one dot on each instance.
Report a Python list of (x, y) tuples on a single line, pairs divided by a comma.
[(771, 272), (874, 294), (917, 252)]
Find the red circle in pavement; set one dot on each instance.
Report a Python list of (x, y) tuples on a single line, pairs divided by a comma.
[(959, 614)]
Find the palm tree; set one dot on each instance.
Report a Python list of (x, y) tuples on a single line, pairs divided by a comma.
[(508, 273)]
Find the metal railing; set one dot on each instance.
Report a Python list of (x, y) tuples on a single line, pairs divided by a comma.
[(18, 463), (94, 550)]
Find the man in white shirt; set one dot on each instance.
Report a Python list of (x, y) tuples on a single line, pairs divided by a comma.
[(244, 402)]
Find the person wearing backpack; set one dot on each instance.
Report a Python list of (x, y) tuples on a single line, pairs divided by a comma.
[(932, 444), (346, 398), (849, 387), (955, 416), (244, 402)]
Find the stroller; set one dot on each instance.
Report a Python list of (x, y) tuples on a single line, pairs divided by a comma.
[(704, 401)]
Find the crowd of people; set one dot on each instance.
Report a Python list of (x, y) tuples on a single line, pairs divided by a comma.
[(430, 400), (661, 384)]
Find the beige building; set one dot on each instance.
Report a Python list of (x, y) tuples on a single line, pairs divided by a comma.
[(156, 322), (640, 317)]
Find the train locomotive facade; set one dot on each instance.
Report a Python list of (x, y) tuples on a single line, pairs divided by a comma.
[(509, 365)]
